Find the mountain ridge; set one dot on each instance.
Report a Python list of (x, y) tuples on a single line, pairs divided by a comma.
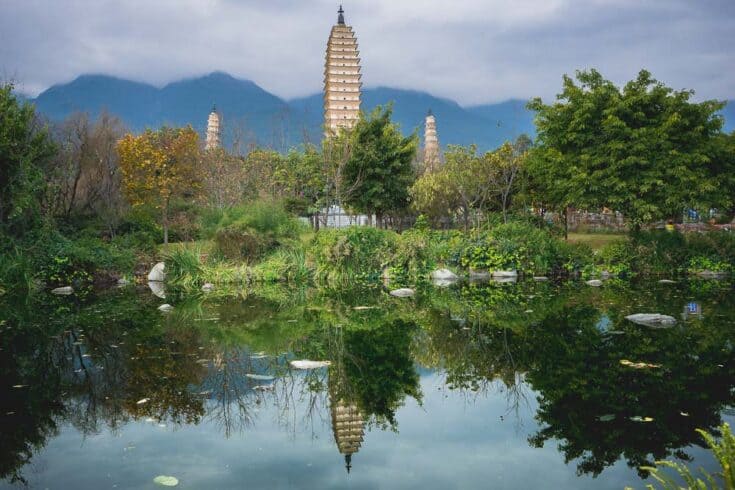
[(255, 116)]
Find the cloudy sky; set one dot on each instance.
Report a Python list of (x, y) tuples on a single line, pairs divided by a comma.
[(472, 51)]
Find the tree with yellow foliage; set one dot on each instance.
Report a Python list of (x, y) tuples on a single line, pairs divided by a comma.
[(158, 166)]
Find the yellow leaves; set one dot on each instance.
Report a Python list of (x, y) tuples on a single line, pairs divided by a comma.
[(158, 165)]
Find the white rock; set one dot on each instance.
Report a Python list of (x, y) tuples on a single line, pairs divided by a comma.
[(402, 293), (443, 283), (711, 274), (666, 281), (652, 319), (208, 286), (65, 290), (165, 307), (478, 274), (157, 289), (504, 279), (157, 274), (122, 282), (594, 283), (540, 278), (444, 275), (307, 364), (505, 273)]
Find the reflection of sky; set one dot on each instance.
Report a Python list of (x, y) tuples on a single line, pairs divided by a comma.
[(452, 441)]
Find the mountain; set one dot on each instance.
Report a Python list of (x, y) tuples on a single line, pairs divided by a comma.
[(253, 115)]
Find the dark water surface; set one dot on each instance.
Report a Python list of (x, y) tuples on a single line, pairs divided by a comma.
[(474, 386)]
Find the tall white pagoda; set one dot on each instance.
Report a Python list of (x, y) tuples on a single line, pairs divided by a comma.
[(341, 78)]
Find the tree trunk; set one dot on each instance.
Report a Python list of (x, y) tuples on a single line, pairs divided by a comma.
[(165, 224), (566, 223)]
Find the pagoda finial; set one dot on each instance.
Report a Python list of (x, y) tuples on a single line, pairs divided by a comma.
[(341, 16), (430, 113), (348, 462), (214, 107)]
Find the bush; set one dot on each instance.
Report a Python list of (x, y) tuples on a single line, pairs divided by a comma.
[(351, 254), (519, 246), (250, 231)]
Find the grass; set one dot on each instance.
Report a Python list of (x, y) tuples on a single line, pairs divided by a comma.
[(596, 240)]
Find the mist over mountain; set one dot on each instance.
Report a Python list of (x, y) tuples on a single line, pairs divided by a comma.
[(254, 116)]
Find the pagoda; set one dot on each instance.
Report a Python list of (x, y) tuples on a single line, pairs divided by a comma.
[(341, 78), (348, 427), (212, 141), (432, 158)]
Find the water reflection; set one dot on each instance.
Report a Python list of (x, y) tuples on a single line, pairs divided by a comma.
[(99, 364)]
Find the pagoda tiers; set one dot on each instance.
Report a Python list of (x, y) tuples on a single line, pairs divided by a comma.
[(341, 78), (212, 141), (348, 427), (432, 159)]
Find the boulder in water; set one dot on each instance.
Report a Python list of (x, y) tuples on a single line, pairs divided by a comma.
[(64, 290), (402, 293), (510, 273), (157, 274), (207, 287), (444, 275), (594, 283), (157, 289), (540, 278), (652, 319), (165, 307), (666, 281)]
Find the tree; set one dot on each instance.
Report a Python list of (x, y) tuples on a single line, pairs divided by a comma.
[(642, 150), (84, 177), (160, 165), (24, 148), (379, 165), (224, 178)]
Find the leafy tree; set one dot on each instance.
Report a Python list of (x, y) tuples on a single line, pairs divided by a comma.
[(24, 147), (160, 165), (379, 167), (642, 150)]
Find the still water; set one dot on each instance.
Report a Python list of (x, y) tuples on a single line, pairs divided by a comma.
[(473, 386)]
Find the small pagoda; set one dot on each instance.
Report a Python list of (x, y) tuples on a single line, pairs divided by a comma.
[(212, 141)]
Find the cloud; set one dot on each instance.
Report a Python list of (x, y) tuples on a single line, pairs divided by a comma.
[(472, 51)]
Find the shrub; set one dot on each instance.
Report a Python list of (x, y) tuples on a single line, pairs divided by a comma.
[(250, 231), (351, 254), (518, 246)]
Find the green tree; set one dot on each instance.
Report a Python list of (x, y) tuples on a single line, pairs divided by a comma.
[(24, 148), (379, 170), (643, 150)]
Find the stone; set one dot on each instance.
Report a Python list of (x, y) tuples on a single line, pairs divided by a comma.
[(165, 307), (510, 273), (207, 287), (540, 278), (158, 289), (666, 281), (402, 293), (308, 364), (122, 282), (157, 274), (479, 274), (594, 283), (503, 279), (63, 291), (652, 319), (711, 274), (444, 274)]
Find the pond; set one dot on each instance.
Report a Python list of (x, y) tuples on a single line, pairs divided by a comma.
[(502, 385)]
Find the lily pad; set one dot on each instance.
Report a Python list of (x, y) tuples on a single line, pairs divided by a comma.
[(166, 481)]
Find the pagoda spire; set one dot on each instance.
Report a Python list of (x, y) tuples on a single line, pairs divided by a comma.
[(341, 16)]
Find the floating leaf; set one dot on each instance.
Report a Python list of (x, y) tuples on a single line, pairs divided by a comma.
[(260, 377), (166, 481), (639, 365), (637, 418)]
